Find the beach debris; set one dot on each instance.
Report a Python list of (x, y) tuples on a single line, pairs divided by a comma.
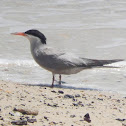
[(41, 101), (11, 113), (46, 118), (53, 91), (19, 122), (26, 111), (101, 99), (61, 92), (78, 104), (121, 120), (72, 116), (31, 120), (54, 105), (74, 99), (87, 118), (1, 118), (77, 95), (53, 123), (75, 104), (68, 96), (118, 100)]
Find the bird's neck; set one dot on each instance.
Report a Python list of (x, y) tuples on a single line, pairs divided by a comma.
[(35, 43)]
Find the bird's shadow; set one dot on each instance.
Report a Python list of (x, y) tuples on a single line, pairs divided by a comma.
[(63, 86)]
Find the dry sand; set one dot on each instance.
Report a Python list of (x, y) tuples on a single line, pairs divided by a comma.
[(59, 106)]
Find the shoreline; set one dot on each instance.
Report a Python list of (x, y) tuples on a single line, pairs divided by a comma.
[(59, 106)]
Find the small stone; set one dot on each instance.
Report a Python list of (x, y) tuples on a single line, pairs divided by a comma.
[(53, 91), (27, 117), (118, 101), (50, 98), (26, 111), (46, 118), (31, 120), (87, 118), (55, 105), (52, 123), (40, 100), (80, 103), (121, 120), (1, 118), (101, 99), (19, 122), (61, 92), (77, 95), (11, 113), (23, 104), (74, 104), (68, 96), (72, 116), (74, 99), (22, 118)]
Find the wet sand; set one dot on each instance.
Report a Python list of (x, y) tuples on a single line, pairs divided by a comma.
[(45, 106)]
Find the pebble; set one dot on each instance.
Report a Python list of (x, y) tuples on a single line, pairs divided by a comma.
[(87, 118), (46, 118), (31, 120), (118, 101), (77, 95), (72, 116), (80, 103), (68, 96), (52, 123), (121, 120), (54, 105), (74, 104), (11, 113), (19, 122), (40, 100), (74, 99), (53, 91), (1, 118), (61, 92), (26, 111), (101, 99)]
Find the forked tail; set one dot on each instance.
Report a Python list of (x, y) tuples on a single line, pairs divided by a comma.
[(94, 63)]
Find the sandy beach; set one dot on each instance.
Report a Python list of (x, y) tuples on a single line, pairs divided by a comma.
[(45, 106)]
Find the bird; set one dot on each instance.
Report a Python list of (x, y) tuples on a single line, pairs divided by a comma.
[(57, 61)]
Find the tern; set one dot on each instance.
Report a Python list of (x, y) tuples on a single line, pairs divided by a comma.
[(56, 61)]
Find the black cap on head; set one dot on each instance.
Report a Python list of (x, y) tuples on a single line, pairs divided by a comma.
[(38, 34)]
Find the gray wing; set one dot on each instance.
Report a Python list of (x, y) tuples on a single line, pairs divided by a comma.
[(55, 60), (60, 60)]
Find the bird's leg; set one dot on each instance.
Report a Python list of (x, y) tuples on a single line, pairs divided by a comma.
[(60, 79), (53, 79)]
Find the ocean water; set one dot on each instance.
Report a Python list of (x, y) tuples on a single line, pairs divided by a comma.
[(89, 28)]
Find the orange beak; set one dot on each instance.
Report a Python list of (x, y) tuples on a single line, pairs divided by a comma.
[(19, 33)]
